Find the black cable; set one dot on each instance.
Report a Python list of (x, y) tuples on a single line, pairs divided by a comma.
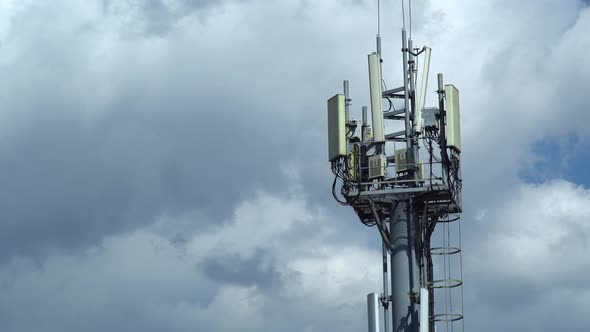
[(334, 192), (390, 105), (337, 170), (369, 223)]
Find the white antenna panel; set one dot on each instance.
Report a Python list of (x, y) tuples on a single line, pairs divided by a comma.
[(453, 123), (336, 127), (376, 97)]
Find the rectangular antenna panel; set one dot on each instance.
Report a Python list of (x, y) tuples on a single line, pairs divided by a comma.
[(336, 127), (376, 97), (377, 166), (453, 123)]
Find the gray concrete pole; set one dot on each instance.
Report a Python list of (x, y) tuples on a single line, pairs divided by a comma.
[(404, 309)]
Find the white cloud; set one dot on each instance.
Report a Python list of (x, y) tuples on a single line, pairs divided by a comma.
[(542, 235), (530, 259)]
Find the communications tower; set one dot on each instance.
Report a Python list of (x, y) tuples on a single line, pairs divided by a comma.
[(407, 183)]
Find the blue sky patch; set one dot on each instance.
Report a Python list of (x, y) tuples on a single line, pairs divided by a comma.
[(563, 159)]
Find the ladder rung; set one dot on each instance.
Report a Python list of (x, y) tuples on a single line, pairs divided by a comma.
[(391, 92), (393, 115), (395, 135)]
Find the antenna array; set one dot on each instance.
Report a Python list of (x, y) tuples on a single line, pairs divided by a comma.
[(406, 183)]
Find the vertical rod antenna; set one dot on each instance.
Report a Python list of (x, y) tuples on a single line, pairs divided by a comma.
[(403, 16), (347, 102), (378, 17), (406, 92), (364, 126), (443, 135), (410, 15), (379, 27), (412, 78)]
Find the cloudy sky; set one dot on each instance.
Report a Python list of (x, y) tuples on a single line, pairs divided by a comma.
[(164, 162)]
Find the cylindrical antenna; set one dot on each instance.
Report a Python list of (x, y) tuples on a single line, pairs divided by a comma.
[(403, 15), (412, 70), (379, 27), (346, 102), (410, 15), (378, 17), (373, 312)]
